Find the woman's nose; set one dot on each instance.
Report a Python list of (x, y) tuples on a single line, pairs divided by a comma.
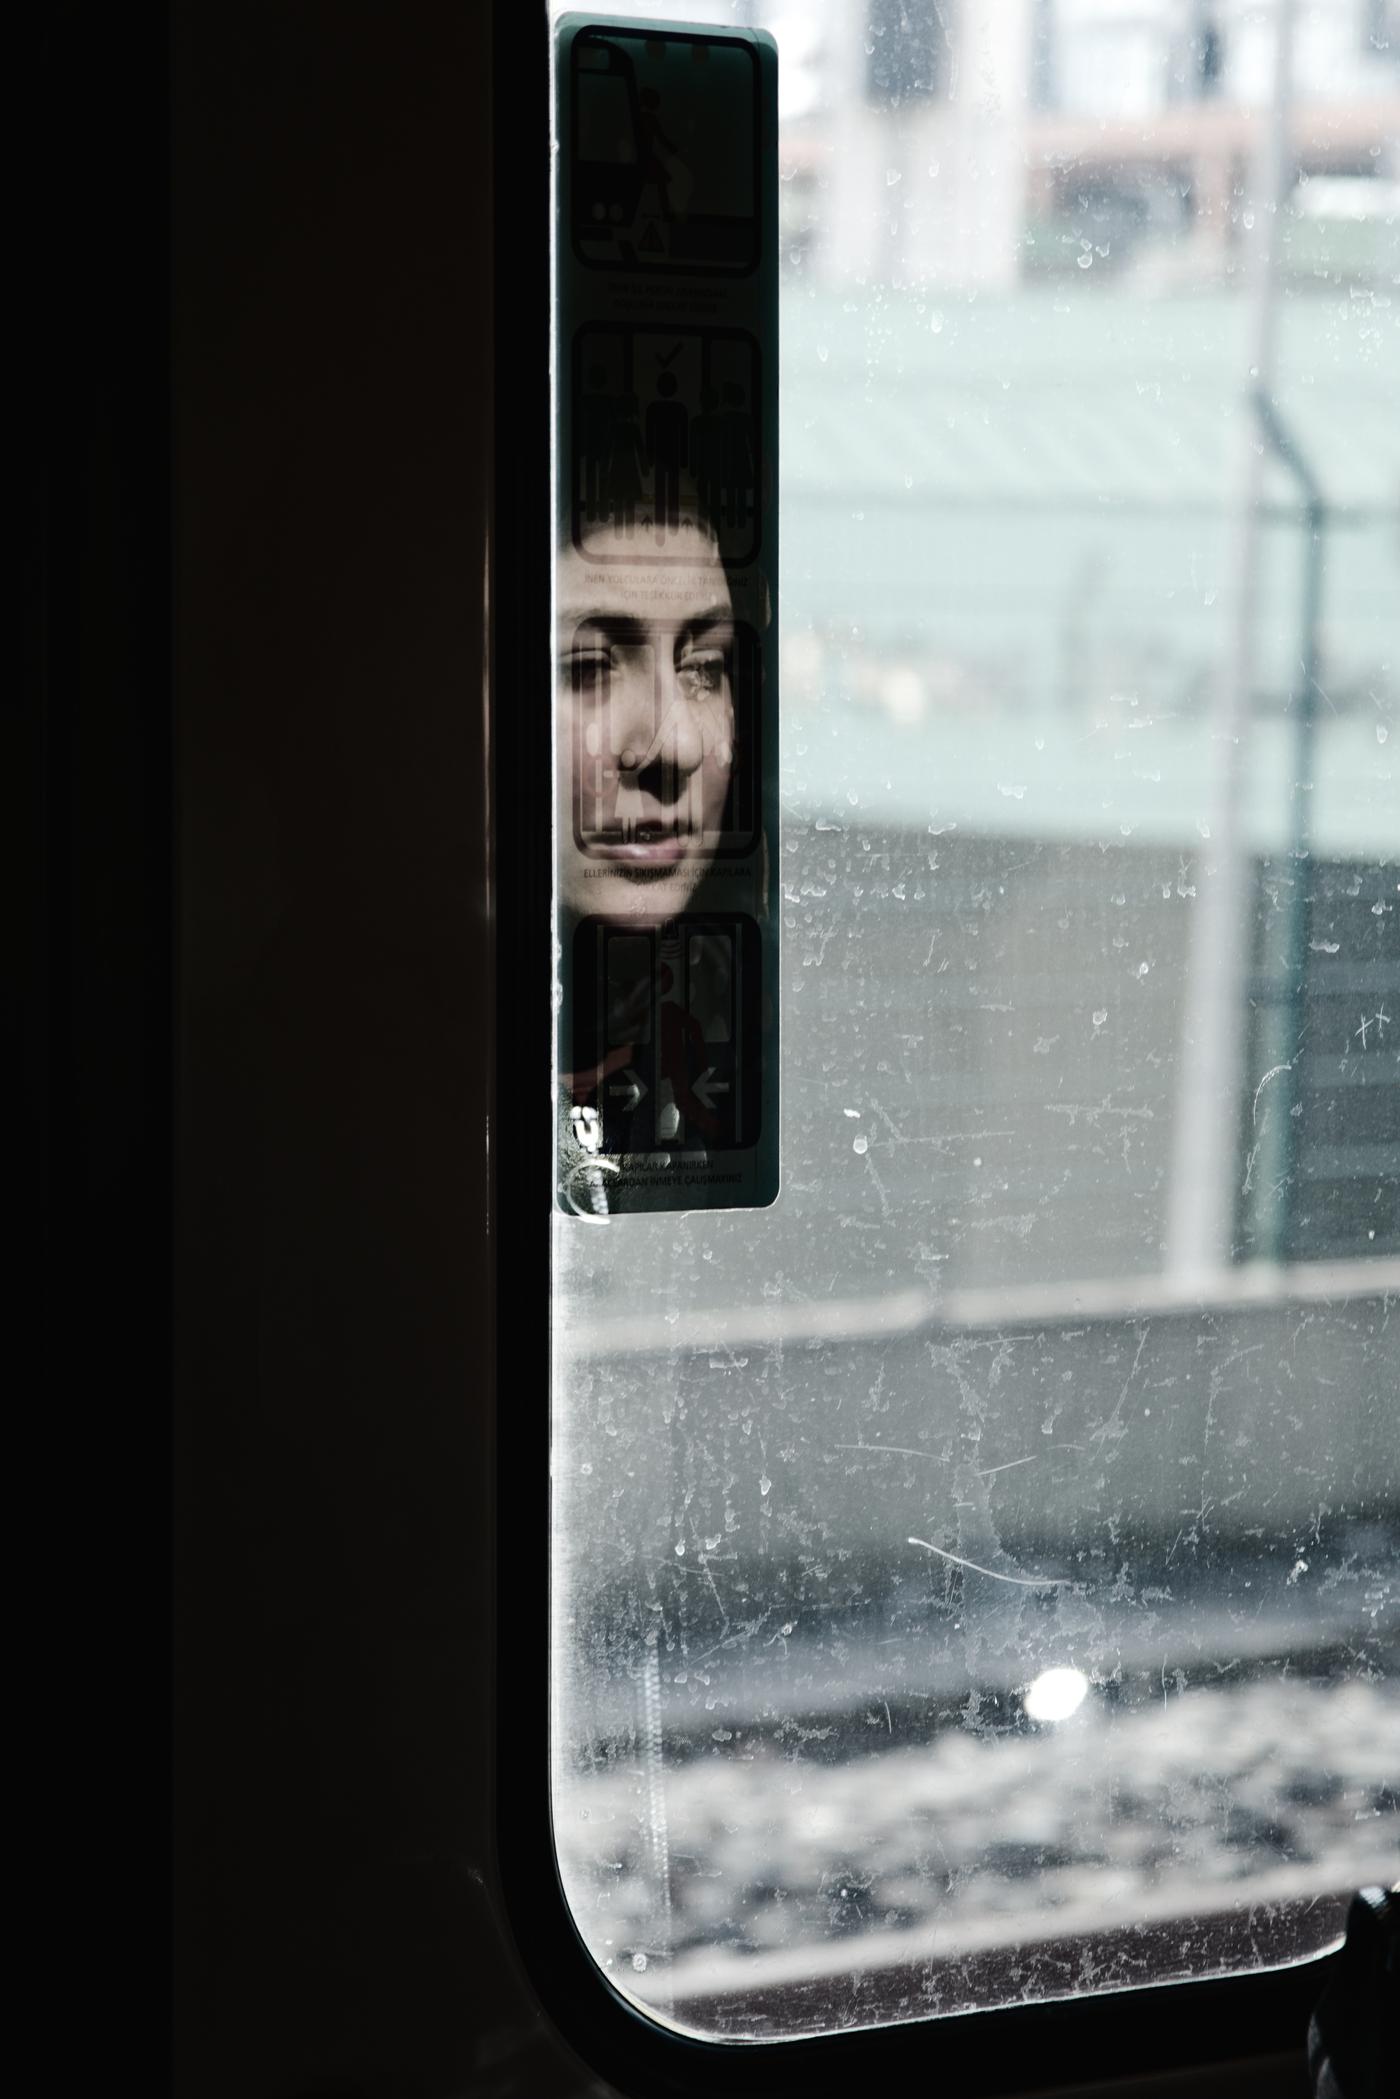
[(681, 725), (633, 715), (655, 721)]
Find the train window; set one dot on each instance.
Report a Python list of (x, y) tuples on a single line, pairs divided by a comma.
[(976, 1555)]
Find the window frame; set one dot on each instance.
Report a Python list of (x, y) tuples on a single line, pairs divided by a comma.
[(1227, 2022)]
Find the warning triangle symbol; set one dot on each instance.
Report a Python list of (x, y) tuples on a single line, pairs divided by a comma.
[(651, 242)]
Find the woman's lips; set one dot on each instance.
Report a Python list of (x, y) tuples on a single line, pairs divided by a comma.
[(646, 852)]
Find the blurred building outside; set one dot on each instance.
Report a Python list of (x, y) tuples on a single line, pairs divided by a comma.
[(977, 145)]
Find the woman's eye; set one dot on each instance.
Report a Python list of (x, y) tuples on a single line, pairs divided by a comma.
[(588, 675), (703, 674)]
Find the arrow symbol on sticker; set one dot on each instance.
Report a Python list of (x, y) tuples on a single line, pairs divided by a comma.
[(707, 1086), (631, 1092)]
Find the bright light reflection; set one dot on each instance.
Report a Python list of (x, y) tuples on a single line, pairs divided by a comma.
[(1056, 1694)]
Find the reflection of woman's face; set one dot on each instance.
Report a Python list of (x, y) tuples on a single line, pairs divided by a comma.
[(645, 730)]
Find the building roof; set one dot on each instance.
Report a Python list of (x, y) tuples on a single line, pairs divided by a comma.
[(1062, 400), (1007, 532)]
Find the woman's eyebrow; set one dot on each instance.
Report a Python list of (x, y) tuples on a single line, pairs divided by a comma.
[(630, 632), (611, 626), (702, 622)]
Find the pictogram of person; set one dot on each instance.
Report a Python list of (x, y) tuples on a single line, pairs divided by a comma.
[(596, 415), (707, 452), (737, 457), (666, 447), (626, 465), (663, 170)]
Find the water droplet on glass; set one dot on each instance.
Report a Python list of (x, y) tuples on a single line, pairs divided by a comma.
[(822, 353), (1100, 1016), (860, 1146), (764, 1484), (1086, 260), (639, 1963), (1143, 968), (1381, 732)]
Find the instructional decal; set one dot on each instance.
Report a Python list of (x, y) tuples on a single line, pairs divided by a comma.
[(666, 137), (666, 421), (666, 619)]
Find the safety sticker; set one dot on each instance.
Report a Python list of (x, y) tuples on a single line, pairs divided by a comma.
[(666, 607)]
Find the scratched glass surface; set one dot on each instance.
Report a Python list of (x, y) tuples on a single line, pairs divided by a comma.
[(975, 1577)]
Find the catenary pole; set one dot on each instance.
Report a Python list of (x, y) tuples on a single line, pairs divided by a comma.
[(1205, 1148)]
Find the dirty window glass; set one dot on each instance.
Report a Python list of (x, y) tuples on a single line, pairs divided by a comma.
[(975, 1575)]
